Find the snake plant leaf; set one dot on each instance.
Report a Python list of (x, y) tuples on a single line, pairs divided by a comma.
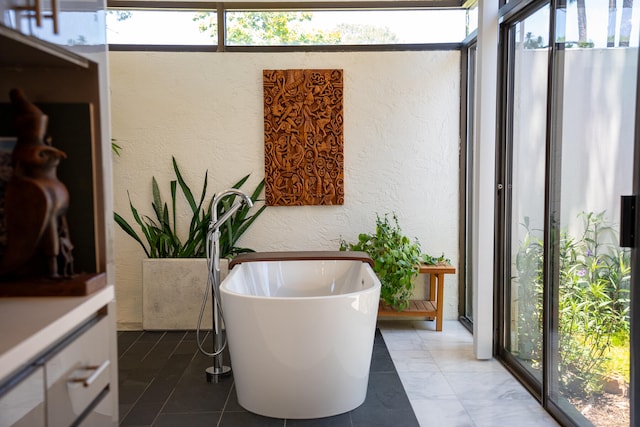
[(195, 208), (246, 224), (244, 210), (173, 200), (240, 183), (127, 229), (257, 191), (161, 233), (157, 200)]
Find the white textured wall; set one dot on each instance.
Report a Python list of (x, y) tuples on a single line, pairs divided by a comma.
[(401, 131)]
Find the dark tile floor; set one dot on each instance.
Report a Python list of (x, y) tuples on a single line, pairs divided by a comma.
[(162, 383)]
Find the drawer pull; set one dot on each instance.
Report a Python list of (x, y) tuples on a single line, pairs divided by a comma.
[(97, 370)]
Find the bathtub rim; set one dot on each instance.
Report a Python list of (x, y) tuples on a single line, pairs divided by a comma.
[(225, 290), (301, 256)]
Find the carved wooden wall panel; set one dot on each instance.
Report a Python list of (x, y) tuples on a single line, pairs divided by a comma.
[(303, 137)]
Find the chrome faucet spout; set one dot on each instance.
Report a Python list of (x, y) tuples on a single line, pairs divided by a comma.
[(216, 200)]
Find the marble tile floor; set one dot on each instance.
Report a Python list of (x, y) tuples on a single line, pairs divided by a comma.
[(448, 387)]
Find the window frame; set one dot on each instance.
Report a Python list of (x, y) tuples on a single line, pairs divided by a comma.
[(222, 7)]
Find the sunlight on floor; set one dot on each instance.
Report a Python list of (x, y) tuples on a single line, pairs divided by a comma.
[(447, 386)]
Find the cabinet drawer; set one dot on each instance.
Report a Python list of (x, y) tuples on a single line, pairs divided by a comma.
[(23, 404), (77, 374), (101, 415)]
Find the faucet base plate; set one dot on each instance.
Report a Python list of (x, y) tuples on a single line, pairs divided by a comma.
[(213, 373)]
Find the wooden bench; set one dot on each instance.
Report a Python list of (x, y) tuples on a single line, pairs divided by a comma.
[(432, 307)]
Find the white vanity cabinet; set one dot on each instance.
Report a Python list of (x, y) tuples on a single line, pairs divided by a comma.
[(58, 361), (23, 402), (78, 376)]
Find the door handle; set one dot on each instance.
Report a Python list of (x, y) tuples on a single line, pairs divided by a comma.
[(628, 221)]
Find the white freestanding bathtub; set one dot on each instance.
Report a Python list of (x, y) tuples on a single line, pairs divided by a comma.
[(300, 332)]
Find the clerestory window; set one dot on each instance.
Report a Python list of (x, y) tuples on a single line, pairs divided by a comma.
[(299, 26)]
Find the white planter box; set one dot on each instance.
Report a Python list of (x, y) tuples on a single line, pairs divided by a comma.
[(172, 293)]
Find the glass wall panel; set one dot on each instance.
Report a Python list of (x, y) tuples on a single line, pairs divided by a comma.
[(526, 190), (597, 117), (345, 27), (567, 286), (161, 27), (470, 168), (472, 19)]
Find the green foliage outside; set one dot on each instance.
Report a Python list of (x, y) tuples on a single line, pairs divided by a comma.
[(121, 15), (593, 321), (528, 263), (396, 259), (287, 28), (161, 239), (532, 42), (207, 23)]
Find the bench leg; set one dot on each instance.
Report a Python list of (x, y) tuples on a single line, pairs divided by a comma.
[(437, 281)]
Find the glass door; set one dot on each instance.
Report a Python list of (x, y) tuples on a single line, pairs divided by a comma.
[(569, 134), (594, 122), (524, 194)]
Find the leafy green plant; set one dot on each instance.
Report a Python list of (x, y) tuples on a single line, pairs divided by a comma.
[(528, 262), (593, 302), (435, 260), (396, 259), (161, 239)]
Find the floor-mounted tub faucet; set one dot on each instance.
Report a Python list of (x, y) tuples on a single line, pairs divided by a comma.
[(213, 264)]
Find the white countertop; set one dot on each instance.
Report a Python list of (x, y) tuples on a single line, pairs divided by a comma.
[(30, 325)]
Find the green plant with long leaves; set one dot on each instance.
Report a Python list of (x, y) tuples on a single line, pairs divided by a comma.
[(396, 259), (593, 301), (159, 236), (528, 263), (593, 304)]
